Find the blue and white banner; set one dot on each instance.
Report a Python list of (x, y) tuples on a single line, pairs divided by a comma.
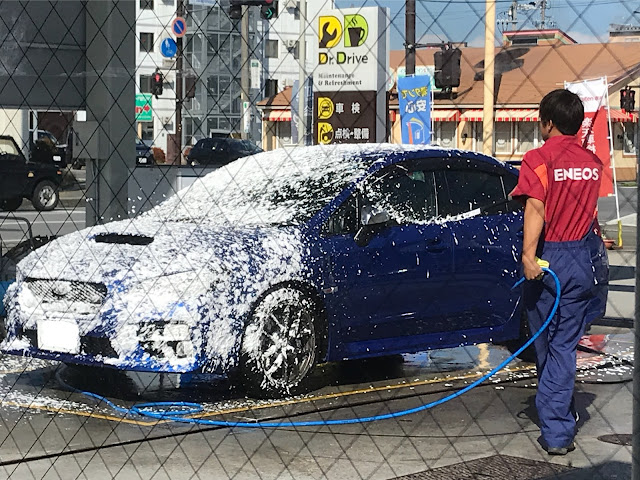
[(415, 109)]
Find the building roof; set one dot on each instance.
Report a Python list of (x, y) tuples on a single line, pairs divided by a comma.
[(525, 74), (280, 100)]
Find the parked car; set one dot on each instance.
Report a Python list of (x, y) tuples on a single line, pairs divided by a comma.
[(220, 151), (19, 178), (47, 149), (144, 153), (281, 260)]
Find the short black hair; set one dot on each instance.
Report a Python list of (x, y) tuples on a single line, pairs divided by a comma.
[(564, 109)]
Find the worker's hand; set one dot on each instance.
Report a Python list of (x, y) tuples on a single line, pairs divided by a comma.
[(532, 270)]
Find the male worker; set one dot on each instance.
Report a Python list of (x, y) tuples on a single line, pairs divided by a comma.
[(559, 184)]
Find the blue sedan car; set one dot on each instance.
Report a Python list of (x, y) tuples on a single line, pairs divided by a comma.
[(282, 260)]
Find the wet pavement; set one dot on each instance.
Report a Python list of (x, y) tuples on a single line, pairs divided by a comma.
[(45, 424)]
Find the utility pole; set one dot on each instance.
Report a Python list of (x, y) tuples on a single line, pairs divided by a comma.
[(489, 80), (635, 429), (244, 75), (410, 37), (179, 93), (302, 75)]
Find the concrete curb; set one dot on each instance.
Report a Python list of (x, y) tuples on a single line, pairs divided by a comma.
[(72, 198)]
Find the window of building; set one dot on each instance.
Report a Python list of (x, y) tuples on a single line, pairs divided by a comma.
[(145, 83), (503, 137), (146, 42), (271, 49), (526, 135), (284, 133), (477, 136), (146, 130), (146, 4), (629, 147), (444, 134)]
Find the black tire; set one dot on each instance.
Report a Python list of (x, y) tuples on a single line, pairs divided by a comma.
[(45, 196), (529, 353), (11, 204), (281, 344)]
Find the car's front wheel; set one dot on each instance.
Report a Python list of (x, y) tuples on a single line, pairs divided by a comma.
[(281, 343), (45, 196), (11, 204)]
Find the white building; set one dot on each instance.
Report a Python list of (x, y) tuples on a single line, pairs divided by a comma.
[(153, 25), (282, 39)]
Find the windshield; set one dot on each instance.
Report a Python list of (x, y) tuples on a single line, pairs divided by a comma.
[(280, 187)]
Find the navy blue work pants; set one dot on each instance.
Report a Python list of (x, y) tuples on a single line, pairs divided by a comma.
[(583, 274)]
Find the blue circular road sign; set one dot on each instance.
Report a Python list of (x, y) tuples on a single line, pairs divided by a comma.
[(179, 26), (168, 48)]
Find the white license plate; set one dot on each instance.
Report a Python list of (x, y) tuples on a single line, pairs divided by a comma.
[(58, 336), (142, 160)]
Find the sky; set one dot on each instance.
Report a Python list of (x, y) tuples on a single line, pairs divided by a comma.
[(586, 21)]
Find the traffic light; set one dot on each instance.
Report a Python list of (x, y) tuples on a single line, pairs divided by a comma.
[(624, 99), (156, 83), (269, 10), (631, 101), (447, 68)]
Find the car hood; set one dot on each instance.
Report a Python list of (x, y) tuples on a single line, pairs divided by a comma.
[(132, 251)]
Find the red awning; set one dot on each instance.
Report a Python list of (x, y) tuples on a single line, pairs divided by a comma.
[(279, 116), (504, 115), (620, 116), (445, 115)]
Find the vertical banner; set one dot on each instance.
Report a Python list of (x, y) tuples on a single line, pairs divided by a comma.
[(308, 110), (415, 109), (350, 79), (594, 131)]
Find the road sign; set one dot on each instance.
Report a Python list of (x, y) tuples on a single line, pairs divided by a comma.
[(168, 47), (144, 107), (179, 27)]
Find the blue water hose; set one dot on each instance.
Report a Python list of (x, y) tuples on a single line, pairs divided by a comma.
[(176, 411)]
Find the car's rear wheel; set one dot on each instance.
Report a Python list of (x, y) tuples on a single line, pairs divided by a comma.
[(45, 196), (281, 344), (11, 204)]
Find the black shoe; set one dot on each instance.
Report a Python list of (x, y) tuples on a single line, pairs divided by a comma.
[(561, 450)]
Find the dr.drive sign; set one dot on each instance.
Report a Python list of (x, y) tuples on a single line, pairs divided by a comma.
[(351, 77)]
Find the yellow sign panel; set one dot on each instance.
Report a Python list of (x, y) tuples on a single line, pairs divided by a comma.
[(325, 108), (325, 133), (357, 30), (330, 31)]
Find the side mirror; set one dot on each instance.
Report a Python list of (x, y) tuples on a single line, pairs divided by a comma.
[(372, 218), (371, 215)]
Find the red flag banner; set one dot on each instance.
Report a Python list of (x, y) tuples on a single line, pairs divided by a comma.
[(593, 133)]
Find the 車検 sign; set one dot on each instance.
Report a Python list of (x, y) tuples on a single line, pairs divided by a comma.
[(350, 80), (144, 107)]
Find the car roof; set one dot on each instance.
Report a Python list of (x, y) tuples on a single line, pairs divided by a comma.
[(374, 156)]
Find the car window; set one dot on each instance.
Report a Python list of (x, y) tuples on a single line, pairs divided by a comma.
[(237, 147), (408, 195), (7, 147), (464, 190), (344, 220)]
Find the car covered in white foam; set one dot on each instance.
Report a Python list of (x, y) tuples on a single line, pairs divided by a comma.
[(281, 260)]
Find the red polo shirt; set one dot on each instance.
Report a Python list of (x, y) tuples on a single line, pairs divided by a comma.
[(566, 177)]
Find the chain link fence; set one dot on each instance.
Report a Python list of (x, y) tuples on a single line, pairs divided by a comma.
[(273, 284)]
